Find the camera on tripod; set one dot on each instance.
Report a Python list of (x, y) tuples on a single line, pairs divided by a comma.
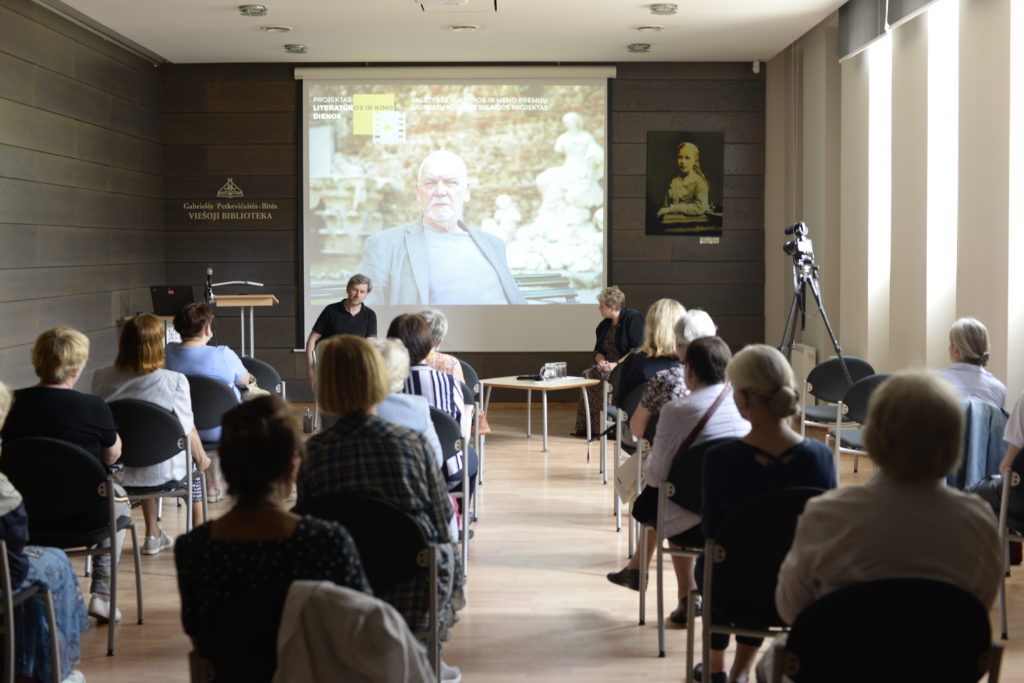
[(800, 247)]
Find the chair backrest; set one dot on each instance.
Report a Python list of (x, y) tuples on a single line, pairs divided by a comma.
[(629, 406), (751, 542), (448, 432), (61, 484), (267, 377), (150, 434), (388, 539), (468, 396), (211, 398), (239, 643), (615, 376), (472, 378), (857, 397), (687, 472), (827, 381), (906, 630)]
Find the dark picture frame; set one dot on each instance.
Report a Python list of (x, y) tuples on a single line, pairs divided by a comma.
[(687, 203)]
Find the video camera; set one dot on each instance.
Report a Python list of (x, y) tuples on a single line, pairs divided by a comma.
[(800, 247)]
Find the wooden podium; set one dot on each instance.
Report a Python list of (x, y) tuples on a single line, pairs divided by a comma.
[(243, 302)]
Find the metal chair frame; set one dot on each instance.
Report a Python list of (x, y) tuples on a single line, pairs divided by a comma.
[(13, 598)]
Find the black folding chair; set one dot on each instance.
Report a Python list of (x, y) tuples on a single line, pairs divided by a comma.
[(150, 435), (13, 598), (684, 489), (827, 382), (746, 555), (211, 398), (392, 547), (450, 435), (69, 498), (267, 377), (851, 414), (906, 630)]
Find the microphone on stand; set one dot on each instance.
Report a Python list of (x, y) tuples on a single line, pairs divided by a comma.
[(208, 296)]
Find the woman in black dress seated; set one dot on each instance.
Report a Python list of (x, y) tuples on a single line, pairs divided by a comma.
[(234, 572), (658, 351), (620, 333)]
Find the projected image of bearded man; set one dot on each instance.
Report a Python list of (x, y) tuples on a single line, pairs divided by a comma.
[(438, 259)]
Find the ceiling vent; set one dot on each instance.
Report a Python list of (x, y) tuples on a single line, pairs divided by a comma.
[(252, 10)]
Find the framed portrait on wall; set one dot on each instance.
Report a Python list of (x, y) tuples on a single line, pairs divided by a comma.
[(684, 183)]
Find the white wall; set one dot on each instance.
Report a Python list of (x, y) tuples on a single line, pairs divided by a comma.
[(908, 148)]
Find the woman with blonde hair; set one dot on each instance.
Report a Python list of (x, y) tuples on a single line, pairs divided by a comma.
[(54, 409), (771, 456), (619, 334), (969, 353), (687, 194), (138, 372), (362, 453), (658, 351), (48, 567)]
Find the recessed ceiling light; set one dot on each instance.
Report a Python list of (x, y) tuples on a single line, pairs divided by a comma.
[(252, 10), (464, 28), (638, 47), (664, 8), (276, 29), (295, 49), (651, 28)]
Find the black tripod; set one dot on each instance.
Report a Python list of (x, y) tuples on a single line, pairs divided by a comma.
[(805, 272)]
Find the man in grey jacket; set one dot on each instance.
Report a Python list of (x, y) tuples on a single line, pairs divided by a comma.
[(439, 260)]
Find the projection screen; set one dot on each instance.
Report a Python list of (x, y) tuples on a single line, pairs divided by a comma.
[(514, 158)]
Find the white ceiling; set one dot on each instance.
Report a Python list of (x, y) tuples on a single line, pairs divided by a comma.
[(197, 31)]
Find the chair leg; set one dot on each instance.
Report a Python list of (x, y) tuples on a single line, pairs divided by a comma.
[(642, 550), (659, 559), (112, 622), (691, 624), (159, 509), (10, 658), (51, 620), (138, 573), (1002, 591), (206, 496)]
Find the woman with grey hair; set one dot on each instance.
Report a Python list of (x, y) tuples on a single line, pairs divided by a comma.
[(969, 351), (442, 362), (908, 523), (407, 410), (669, 384)]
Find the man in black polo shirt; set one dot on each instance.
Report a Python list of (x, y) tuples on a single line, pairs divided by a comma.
[(348, 316)]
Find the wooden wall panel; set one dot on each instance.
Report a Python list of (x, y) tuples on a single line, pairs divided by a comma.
[(240, 121), (81, 185)]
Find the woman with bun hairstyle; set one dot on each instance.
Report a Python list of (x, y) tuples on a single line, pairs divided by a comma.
[(969, 351), (771, 456)]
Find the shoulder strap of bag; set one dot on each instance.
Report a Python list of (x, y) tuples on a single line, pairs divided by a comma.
[(685, 446)]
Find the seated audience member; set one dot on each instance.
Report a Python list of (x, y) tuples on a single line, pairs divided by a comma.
[(193, 356), (440, 389), (256, 549), (905, 522), (407, 410), (771, 456), (138, 372), (969, 350), (658, 351), (362, 453), (348, 316), (991, 489), (706, 359), (620, 333), (443, 362), (668, 384), (51, 568), (54, 409)]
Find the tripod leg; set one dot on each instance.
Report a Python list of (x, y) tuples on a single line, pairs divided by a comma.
[(789, 333), (816, 291)]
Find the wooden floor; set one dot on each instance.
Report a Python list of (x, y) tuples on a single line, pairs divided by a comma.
[(539, 608)]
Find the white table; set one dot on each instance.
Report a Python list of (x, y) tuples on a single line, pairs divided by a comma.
[(543, 387)]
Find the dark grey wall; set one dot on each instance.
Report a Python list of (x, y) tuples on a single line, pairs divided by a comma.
[(240, 121), (81, 213)]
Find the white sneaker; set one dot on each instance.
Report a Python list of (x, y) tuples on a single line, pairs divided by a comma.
[(75, 676), (99, 607), (154, 545), (449, 673)]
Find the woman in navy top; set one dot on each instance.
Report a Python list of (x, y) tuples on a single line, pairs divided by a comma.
[(771, 456)]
